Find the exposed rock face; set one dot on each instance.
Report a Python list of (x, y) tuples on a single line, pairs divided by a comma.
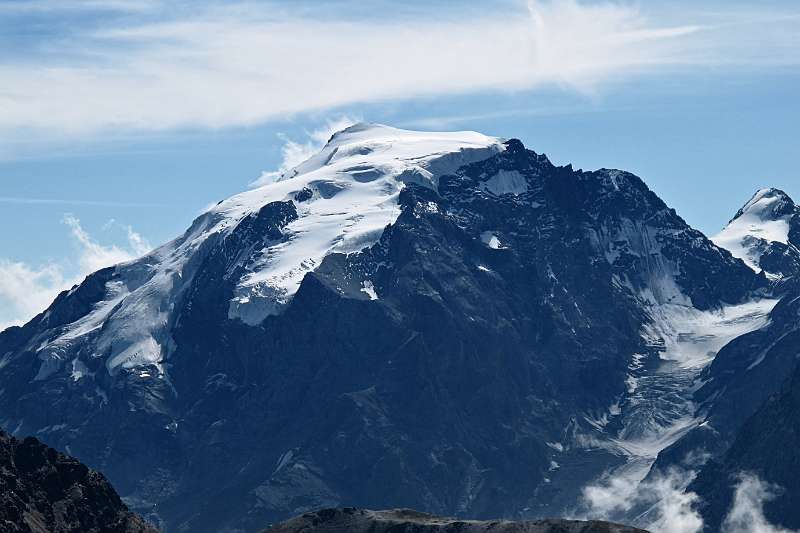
[(751, 401), (43, 491), (766, 446), (407, 521)]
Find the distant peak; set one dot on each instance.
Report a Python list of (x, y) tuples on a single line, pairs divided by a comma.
[(360, 127), (764, 219), (768, 204), (364, 126), (770, 193)]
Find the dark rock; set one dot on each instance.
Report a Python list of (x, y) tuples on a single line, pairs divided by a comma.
[(354, 520), (43, 491), (766, 446)]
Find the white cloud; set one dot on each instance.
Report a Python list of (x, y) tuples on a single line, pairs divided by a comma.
[(662, 499), (675, 508), (47, 6), (26, 290), (610, 496), (58, 201), (93, 256), (293, 152), (747, 512), (664, 504), (247, 63)]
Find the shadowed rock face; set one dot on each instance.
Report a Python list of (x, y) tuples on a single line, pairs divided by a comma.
[(765, 446), (407, 521), (43, 491)]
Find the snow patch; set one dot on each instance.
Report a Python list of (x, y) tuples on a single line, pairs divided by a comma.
[(490, 239), (368, 288), (506, 182), (79, 370)]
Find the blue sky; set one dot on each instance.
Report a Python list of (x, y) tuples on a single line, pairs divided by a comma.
[(121, 120)]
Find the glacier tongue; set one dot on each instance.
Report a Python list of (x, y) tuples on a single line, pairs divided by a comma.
[(658, 408), (691, 338), (345, 196)]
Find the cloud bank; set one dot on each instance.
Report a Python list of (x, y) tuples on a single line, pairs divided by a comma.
[(661, 501), (747, 513), (662, 504), (242, 63), (26, 290)]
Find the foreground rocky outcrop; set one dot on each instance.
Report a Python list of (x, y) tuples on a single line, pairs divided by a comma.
[(354, 520), (43, 491), (405, 520)]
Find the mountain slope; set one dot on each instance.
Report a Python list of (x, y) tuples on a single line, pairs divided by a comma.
[(43, 491), (404, 319), (746, 400), (766, 447), (404, 520), (754, 366)]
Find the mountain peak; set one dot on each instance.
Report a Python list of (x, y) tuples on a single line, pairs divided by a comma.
[(763, 222), (768, 204), (394, 152), (361, 127), (337, 201)]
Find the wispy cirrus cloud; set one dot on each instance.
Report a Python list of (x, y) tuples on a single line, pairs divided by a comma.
[(294, 152), (93, 256), (50, 6), (19, 200), (238, 64)]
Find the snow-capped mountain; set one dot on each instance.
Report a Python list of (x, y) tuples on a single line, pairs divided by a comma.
[(339, 201), (765, 234), (444, 321)]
